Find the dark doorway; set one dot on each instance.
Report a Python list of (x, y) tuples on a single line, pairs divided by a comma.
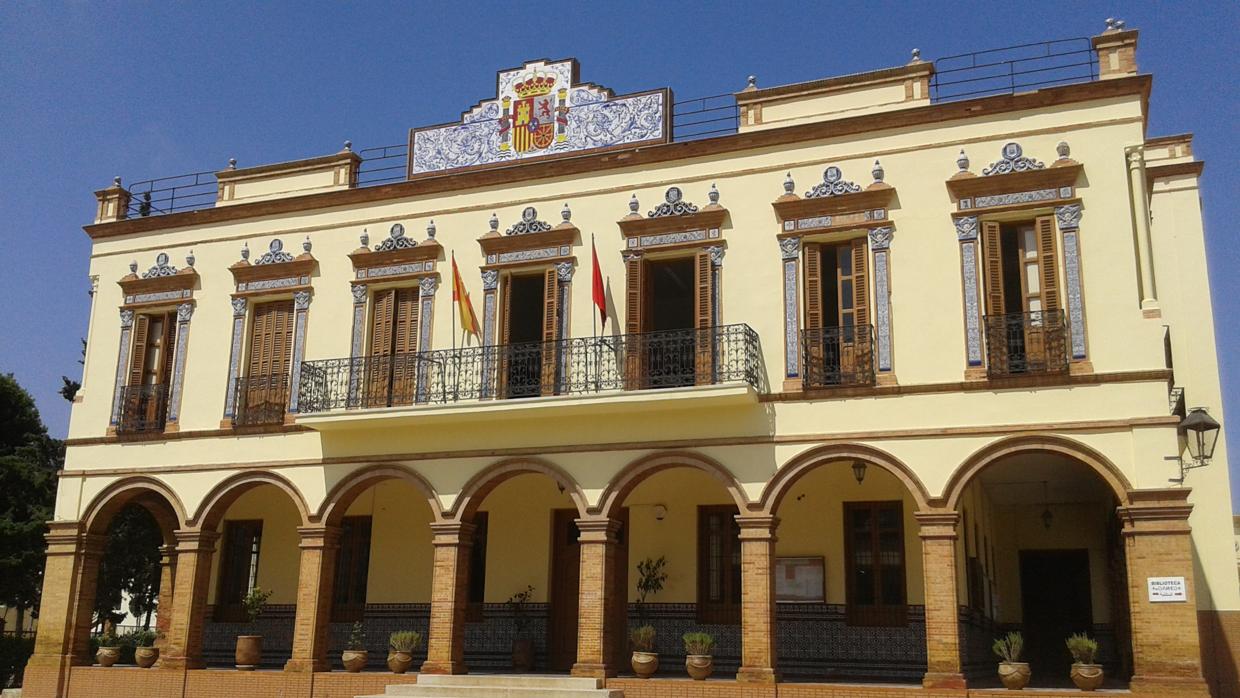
[(523, 334), (670, 295), (565, 587), (1055, 602)]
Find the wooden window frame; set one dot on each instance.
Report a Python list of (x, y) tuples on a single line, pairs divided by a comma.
[(230, 590), (727, 611), (880, 614)]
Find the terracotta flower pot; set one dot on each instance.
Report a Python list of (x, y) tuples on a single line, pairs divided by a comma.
[(249, 652), (107, 656), (1087, 677), (146, 656), (399, 662), (1014, 675), (645, 664), (700, 666), (354, 660), (522, 654)]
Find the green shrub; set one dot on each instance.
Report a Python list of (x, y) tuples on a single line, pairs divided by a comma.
[(357, 637), (643, 638), (698, 643), (254, 603), (14, 652), (405, 641), (1009, 647), (1083, 648)]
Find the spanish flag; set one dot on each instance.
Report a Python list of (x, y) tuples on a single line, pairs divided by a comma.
[(469, 321)]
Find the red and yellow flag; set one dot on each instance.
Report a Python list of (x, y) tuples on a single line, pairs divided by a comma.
[(469, 321)]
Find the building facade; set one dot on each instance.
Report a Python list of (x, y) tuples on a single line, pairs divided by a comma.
[(880, 374)]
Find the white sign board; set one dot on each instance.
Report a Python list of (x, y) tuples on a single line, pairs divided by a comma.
[(1167, 589)]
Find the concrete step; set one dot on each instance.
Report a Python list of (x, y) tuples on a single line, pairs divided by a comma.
[(502, 686), (513, 680)]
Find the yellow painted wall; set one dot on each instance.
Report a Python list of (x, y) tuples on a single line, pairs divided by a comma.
[(519, 519), (811, 520), (278, 553), (400, 543)]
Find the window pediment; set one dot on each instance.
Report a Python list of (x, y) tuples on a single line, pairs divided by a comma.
[(834, 204), (529, 240), (675, 222), (160, 284), (275, 271), (396, 257), (1014, 180)]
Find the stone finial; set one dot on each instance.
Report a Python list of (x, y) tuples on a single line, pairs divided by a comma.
[(232, 163), (916, 56), (348, 147), (1114, 25), (245, 251), (133, 266), (877, 171), (962, 161), (305, 245), (494, 223), (116, 181), (633, 205), (566, 213), (1063, 150), (190, 259), (789, 185), (430, 230), (364, 238), (751, 82), (713, 194)]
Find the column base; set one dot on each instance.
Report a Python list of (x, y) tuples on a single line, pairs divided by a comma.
[(1169, 686), (756, 674), (591, 670), (47, 675), (307, 666), (938, 679), (432, 667), (181, 663)]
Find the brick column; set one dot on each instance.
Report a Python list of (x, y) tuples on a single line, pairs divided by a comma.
[(757, 599), (183, 646), (314, 598), (167, 583), (65, 612), (445, 647), (938, 554), (597, 597), (1166, 647)]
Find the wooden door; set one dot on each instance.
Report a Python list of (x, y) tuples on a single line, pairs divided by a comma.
[(550, 331), (565, 574), (1055, 603), (265, 390), (704, 319)]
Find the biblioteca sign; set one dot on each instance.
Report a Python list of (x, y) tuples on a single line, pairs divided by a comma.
[(1165, 589)]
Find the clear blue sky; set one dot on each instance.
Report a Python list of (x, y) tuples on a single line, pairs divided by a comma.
[(91, 90)]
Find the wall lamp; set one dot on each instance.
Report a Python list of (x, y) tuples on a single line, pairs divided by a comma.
[(1200, 432), (858, 468)]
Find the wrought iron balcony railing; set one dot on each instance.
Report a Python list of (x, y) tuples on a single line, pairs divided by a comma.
[(838, 356), (144, 409), (576, 366), (261, 400), (1023, 344)]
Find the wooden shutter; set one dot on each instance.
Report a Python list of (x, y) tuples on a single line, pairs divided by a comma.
[(381, 321), (861, 281), (137, 364), (634, 300), (992, 248), (271, 344), (813, 287), (550, 327), (704, 318), (406, 332), (505, 325), (1048, 262)]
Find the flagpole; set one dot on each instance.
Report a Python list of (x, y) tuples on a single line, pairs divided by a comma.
[(455, 301), (598, 367)]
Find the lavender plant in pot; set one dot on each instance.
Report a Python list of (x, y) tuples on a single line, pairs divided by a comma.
[(698, 660), (250, 647), (401, 645), (1012, 672), (355, 655), (1087, 675)]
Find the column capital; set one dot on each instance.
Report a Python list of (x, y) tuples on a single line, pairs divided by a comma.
[(937, 524), (757, 526), (598, 530), (1157, 512), (195, 540), (458, 533), (318, 536)]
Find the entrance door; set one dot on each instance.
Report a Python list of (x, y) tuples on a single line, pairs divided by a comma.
[(565, 587), (1055, 602), (528, 333), (669, 354)]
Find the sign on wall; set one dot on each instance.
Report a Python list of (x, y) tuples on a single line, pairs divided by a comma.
[(541, 109), (800, 580), (1167, 589)]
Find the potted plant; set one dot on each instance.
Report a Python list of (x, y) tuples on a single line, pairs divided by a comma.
[(697, 655), (145, 652), (355, 655), (1012, 672), (1085, 673), (250, 647), (522, 646), (401, 645), (109, 649), (645, 661)]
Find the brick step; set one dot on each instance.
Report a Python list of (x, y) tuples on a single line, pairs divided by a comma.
[(502, 686)]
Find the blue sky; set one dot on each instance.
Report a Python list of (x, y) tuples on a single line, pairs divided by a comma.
[(141, 90)]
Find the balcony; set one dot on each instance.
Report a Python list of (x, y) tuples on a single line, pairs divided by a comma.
[(837, 357), (260, 400), (144, 409), (1026, 344), (608, 367)]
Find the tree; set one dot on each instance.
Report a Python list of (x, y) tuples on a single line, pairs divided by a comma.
[(29, 461), (130, 565), (71, 387)]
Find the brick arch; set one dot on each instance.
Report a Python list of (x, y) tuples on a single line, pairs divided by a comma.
[(803, 463), (635, 473), (486, 480), (217, 501), (149, 493), (347, 490), (1035, 443)]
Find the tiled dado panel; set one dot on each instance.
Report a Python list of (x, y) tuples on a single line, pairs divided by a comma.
[(978, 633)]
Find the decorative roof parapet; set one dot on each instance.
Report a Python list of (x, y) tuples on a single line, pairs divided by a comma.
[(1013, 160)]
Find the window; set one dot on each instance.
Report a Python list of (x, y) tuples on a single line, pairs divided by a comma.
[(874, 563), (392, 370), (670, 315), (352, 570), (719, 565), (478, 567), (238, 567), (263, 393), (529, 325), (1025, 329), (837, 338), (144, 403)]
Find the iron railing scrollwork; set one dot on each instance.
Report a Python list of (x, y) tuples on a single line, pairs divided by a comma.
[(838, 356), (1032, 343), (574, 366), (261, 400), (144, 409)]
